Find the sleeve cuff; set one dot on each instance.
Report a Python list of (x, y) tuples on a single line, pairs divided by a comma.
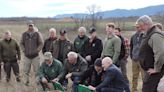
[(157, 69)]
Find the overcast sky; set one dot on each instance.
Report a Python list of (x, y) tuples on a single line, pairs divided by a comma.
[(49, 8)]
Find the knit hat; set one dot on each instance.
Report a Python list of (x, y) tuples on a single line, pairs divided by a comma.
[(98, 62)]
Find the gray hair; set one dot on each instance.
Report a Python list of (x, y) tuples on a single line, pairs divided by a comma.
[(82, 29), (145, 19), (52, 30), (72, 54)]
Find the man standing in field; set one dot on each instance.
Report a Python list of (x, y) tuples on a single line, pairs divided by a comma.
[(135, 43), (61, 47), (80, 41), (151, 54), (112, 45), (32, 44), (10, 56), (124, 53), (93, 47), (48, 42)]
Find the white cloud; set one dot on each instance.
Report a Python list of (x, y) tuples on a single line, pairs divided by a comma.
[(46, 8)]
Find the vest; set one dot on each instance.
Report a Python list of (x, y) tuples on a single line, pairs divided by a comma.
[(146, 54)]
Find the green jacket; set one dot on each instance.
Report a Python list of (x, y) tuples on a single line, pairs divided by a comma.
[(9, 50), (112, 47), (50, 72), (79, 44), (77, 70)]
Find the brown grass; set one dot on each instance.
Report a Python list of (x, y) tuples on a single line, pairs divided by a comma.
[(17, 30)]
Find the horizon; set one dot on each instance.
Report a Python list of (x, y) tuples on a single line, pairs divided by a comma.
[(50, 8)]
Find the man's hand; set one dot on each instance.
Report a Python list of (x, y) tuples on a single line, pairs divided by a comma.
[(151, 71), (55, 80), (44, 80), (91, 88), (68, 75), (18, 61), (88, 58)]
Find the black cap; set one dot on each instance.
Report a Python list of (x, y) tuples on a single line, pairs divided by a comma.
[(92, 29), (98, 62), (62, 32)]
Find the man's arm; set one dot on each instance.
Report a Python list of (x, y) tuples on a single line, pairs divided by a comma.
[(22, 43), (83, 68), (156, 42), (131, 46), (127, 48), (18, 51), (108, 78), (117, 49), (40, 42), (0, 59)]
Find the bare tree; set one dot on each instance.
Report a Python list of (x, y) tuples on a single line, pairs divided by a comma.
[(94, 13), (78, 20)]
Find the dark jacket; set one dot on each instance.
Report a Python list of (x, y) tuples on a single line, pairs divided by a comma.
[(135, 43), (92, 77), (60, 49), (149, 56), (77, 70), (31, 43), (113, 78), (94, 49), (79, 44), (47, 44), (9, 50)]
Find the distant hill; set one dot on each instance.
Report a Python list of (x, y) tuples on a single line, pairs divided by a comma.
[(151, 10)]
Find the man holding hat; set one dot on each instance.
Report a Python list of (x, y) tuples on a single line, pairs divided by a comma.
[(61, 47), (49, 70), (93, 47)]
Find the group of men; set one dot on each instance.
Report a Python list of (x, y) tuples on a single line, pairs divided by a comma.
[(87, 60)]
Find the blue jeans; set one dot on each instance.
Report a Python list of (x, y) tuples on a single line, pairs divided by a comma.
[(76, 81)]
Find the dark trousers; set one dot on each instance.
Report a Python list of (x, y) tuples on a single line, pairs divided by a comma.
[(110, 90), (76, 81), (150, 82), (0, 70), (7, 68)]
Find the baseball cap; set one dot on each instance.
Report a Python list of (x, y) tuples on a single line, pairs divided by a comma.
[(47, 55)]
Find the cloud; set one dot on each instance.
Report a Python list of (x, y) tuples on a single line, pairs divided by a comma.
[(44, 8)]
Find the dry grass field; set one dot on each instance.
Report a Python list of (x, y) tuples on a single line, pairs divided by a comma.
[(17, 30)]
